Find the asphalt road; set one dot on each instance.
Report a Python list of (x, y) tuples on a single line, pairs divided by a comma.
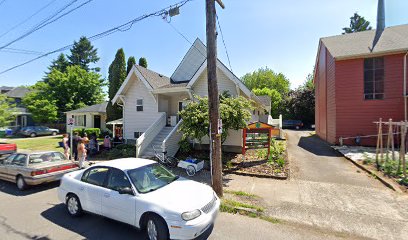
[(37, 214)]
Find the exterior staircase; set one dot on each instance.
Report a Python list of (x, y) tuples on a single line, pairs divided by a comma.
[(157, 142)]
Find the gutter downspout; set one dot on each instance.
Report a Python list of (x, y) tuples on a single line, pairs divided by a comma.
[(405, 86)]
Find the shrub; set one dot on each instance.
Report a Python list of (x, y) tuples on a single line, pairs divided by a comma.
[(88, 131), (106, 132), (185, 146), (122, 151)]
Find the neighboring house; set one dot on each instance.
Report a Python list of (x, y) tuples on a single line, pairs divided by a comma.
[(151, 101), (89, 117), (23, 117), (359, 79)]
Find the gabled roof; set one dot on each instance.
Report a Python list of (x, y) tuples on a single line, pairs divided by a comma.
[(5, 89), (98, 108), (155, 80), (17, 92), (191, 62), (265, 100), (393, 40)]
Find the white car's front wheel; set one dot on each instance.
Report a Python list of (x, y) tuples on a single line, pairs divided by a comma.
[(157, 228), (74, 205)]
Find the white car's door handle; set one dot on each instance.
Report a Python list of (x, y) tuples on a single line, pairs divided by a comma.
[(106, 195)]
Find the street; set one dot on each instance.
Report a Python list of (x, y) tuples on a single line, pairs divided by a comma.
[(37, 214)]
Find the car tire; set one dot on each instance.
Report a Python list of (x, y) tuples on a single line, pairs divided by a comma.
[(33, 135), (74, 207), (54, 133), (21, 184), (156, 228)]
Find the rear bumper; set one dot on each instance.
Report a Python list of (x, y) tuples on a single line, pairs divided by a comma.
[(199, 228), (45, 178)]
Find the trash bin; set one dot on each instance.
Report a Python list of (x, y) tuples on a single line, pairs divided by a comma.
[(9, 132)]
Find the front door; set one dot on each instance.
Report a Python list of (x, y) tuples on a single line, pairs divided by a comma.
[(97, 121)]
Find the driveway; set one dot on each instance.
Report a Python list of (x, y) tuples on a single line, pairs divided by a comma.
[(328, 192)]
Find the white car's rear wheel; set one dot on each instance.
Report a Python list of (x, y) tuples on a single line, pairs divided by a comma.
[(74, 205), (157, 228)]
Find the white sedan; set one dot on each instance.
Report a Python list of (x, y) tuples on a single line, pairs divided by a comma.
[(144, 194)]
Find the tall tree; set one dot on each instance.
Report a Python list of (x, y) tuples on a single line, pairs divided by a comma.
[(60, 64), (276, 99), (42, 109), (68, 91), (143, 62), (357, 24), (83, 54), (6, 115), (265, 77), (130, 63), (117, 74)]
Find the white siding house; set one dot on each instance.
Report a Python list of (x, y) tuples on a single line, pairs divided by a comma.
[(151, 101), (89, 117)]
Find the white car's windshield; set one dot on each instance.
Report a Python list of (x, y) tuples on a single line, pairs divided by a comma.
[(151, 177)]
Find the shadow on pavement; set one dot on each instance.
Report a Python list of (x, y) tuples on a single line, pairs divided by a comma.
[(92, 226), (11, 188), (315, 145)]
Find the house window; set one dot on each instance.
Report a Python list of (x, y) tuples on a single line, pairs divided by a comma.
[(79, 120), (374, 78), (137, 135), (139, 105)]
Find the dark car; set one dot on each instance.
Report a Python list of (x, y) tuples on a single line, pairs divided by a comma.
[(297, 124), (34, 131)]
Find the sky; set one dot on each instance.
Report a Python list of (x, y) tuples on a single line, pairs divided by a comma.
[(282, 35)]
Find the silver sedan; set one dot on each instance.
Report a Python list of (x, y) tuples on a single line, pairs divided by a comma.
[(27, 169)]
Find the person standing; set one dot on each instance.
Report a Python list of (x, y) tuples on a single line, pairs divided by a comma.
[(81, 153), (75, 141), (65, 142)]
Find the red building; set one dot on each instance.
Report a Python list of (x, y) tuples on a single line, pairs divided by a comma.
[(359, 78)]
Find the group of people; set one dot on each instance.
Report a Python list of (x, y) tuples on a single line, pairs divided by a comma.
[(82, 145)]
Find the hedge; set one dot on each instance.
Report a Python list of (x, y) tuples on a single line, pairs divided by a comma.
[(88, 131)]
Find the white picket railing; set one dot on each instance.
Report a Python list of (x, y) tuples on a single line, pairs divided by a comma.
[(170, 143), (146, 138)]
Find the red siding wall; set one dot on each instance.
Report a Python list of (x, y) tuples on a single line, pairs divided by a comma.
[(325, 114), (321, 97), (354, 115)]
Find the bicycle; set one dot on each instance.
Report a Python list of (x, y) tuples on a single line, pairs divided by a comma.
[(164, 159)]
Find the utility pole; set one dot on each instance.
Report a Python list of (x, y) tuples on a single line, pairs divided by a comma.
[(213, 98)]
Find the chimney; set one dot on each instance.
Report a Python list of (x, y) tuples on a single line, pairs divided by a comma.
[(380, 22)]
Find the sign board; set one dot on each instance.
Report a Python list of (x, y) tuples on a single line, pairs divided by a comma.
[(71, 121), (220, 126)]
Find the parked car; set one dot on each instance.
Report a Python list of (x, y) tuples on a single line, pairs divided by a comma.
[(144, 194), (7, 148), (34, 131), (297, 124), (26, 169)]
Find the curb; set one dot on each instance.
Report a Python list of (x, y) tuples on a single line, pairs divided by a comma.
[(372, 173), (243, 173)]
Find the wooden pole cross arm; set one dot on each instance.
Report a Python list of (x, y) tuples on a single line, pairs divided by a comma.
[(220, 3)]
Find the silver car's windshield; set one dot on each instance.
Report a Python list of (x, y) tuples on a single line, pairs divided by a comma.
[(45, 157), (151, 177)]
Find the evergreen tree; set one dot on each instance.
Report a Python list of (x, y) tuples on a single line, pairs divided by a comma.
[(131, 61), (143, 62), (83, 54), (357, 24), (60, 64), (117, 74)]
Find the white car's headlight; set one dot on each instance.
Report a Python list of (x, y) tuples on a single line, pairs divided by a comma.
[(187, 216)]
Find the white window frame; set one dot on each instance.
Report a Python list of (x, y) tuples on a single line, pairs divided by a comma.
[(79, 120), (139, 105)]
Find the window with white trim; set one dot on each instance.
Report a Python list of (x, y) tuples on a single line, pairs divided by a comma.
[(139, 105), (79, 120)]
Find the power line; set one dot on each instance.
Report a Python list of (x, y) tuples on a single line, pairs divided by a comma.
[(121, 28), (225, 46), (20, 51), (185, 38), (28, 18), (48, 21)]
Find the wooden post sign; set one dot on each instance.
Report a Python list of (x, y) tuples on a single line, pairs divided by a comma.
[(257, 136)]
